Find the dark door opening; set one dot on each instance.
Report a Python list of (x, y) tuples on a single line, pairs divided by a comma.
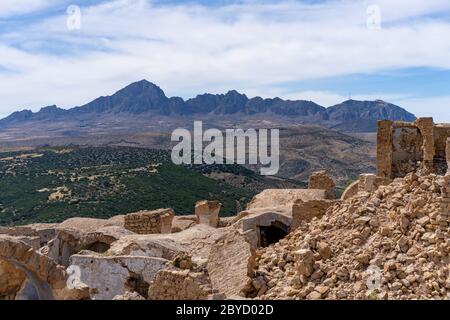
[(99, 247), (272, 234), (440, 165), (137, 284)]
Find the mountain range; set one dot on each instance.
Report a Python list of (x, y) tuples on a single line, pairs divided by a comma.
[(145, 100)]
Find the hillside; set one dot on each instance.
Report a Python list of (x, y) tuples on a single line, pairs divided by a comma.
[(303, 148), (53, 184)]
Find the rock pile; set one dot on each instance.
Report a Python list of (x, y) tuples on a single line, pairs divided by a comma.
[(392, 243)]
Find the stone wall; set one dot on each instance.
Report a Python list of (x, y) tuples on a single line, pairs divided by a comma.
[(366, 182), (384, 148), (148, 222), (275, 198), (441, 134), (110, 276), (46, 279), (181, 223), (404, 147), (447, 155), (320, 180), (42, 231), (426, 127), (207, 212), (11, 280), (179, 285), (230, 263), (350, 191), (307, 210)]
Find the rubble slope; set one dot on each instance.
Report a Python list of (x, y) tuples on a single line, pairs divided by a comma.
[(390, 244)]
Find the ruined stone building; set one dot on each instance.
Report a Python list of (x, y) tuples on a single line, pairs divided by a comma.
[(154, 254), (403, 147), (159, 255)]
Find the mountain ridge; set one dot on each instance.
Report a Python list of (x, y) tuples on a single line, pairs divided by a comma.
[(146, 98)]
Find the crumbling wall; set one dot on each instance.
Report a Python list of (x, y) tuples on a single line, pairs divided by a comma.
[(180, 285), (230, 264), (320, 180), (426, 128), (447, 156), (367, 182), (404, 147), (110, 276), (307, 210), (276, 198), (36, 235), (181, 223), (350, 191), (207, 212), (11, 280), (441, 134), (384, 148), (148, 222), (47, 279), (70, 241)]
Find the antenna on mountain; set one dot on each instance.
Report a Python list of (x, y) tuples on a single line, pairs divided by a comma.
[(350, 96)]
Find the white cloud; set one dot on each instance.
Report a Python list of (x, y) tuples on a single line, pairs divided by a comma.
[(436, 107), (189, 49), (13, 7)]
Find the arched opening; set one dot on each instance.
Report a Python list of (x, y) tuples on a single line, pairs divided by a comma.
[(22, 283), (28, 291), (99, 247), (137, 284), (272, 234), (11, 280)]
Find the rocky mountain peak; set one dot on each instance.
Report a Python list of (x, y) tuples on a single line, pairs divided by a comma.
[(146, 98)]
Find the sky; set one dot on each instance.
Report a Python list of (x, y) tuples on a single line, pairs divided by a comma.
[(67, 53)]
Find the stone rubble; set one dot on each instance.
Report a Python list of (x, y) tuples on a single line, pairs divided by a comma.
[(400, 230)]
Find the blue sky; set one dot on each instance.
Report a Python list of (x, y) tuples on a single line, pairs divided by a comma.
[(325, 51)]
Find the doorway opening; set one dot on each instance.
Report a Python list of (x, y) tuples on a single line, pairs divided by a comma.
[(272, 234)]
